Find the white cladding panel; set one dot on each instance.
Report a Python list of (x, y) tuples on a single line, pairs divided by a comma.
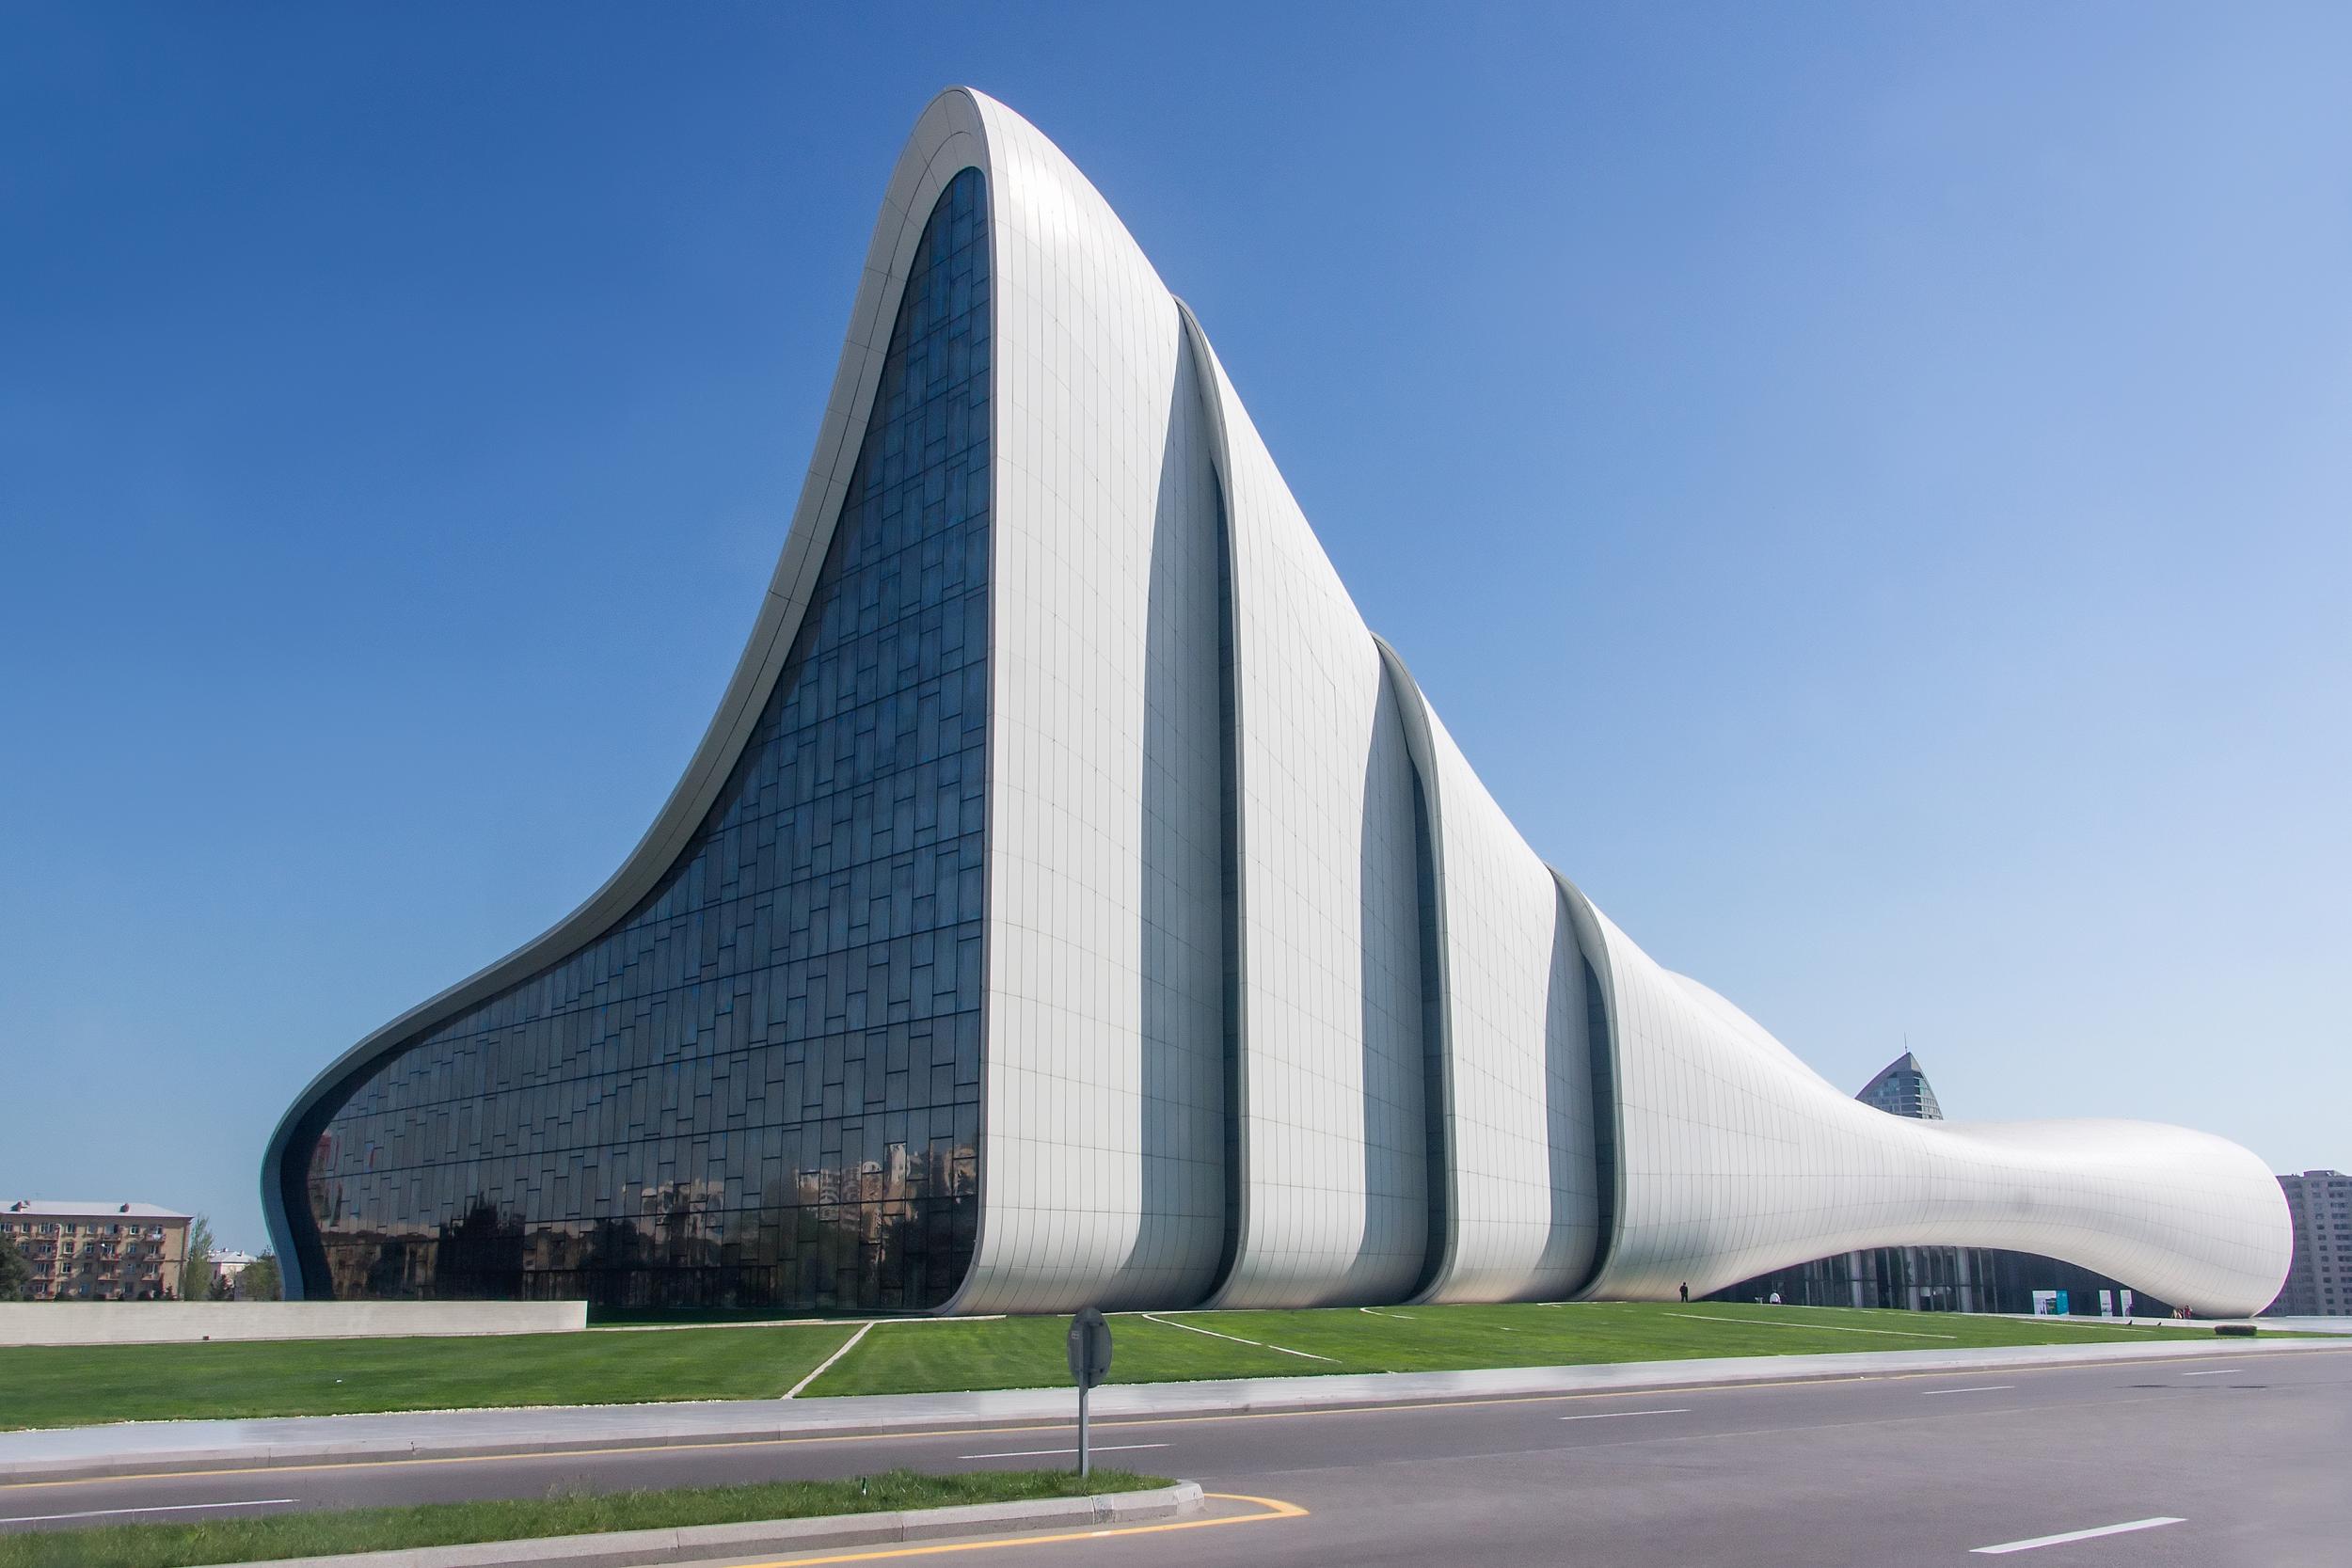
[(1106, 1143), (1738, 1159), (1523, 1203), (1104, 1162), (1101, 1164), (1334, 1201)]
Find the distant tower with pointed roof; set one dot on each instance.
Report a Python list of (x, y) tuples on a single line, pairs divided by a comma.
[(1901, 1089)]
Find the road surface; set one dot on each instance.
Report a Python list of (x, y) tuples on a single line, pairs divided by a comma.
[(2213, 1462)]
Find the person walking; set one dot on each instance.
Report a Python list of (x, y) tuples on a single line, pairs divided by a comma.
[(1686, 1290)]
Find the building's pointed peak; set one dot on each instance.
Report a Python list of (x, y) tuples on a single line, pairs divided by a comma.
[(1901, 1088)]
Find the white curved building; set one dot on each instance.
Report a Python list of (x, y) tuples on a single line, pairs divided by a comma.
[(1073, 902)]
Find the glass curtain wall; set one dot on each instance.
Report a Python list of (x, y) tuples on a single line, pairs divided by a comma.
[(762, 1087)]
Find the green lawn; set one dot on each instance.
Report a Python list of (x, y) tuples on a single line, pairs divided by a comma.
[(1027, 1352), (367, 1530), (72, 1386), (47, 1385)]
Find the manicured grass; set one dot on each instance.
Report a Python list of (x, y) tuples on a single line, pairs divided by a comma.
[(1027, 1352), (1031, 1353), (370, 1530), (72, 1386), (47, 1385)]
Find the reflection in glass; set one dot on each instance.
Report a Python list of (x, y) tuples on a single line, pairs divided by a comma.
[(761, 1087)]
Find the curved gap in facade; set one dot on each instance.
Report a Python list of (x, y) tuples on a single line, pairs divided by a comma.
[(1600, 1063), (1229, 892), (1437, 1100)]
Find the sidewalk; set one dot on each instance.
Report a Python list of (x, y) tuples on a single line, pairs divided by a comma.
[(148, 1446), (2268, 1325), (948, 1528)]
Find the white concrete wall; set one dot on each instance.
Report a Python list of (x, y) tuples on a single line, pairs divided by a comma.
[(146, 1322), (1104, 1163), (1522, 1208), (1739, 1159), (1334, 1202), (1102, 1169)]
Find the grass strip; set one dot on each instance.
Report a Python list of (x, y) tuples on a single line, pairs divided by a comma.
[(375, 1530), (52, 1385), (1027, 1352)]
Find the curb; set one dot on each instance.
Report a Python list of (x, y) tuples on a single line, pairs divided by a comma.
[(693, 1542), (844, 1418)]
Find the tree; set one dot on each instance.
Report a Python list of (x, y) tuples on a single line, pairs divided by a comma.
[(260, 1281), (195, 1274), (16, 1275)]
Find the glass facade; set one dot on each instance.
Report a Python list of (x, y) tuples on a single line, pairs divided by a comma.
[(1901, 1089), (762, 1087), (1939, 1279)]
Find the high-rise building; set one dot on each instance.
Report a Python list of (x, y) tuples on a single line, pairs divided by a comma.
[(98, 1251), (1901, 1089), (1073, 902), (2319, 1280)]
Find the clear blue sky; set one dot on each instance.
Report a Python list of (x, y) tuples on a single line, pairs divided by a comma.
[(1870, 489)]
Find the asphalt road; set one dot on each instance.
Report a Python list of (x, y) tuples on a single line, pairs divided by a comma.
[(2250, 1455)]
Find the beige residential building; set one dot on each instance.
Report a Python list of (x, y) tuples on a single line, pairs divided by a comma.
[(228, 1267), (98, 1251)]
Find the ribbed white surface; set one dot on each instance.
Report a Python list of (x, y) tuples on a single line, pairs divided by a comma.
[(1334, 1205), (1104, 1162), (1524, 1183), (1739, 1159), (1107, 1144), (1102, 1165)]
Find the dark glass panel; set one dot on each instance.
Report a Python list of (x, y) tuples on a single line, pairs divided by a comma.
[(761, 1087)]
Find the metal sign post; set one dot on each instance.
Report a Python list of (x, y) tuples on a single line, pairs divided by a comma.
[(1089, 1364)]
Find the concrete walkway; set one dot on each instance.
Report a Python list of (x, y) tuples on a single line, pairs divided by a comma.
[(2268, 1325), (134, 1448), (1104, 1513)]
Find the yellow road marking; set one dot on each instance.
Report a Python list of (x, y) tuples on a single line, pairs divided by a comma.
[(1275, 1507), (903, 1434)]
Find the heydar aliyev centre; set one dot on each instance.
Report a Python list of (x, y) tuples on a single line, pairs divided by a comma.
[(1074, 903)]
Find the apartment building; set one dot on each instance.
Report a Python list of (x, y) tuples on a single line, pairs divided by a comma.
[(98, 1251), (2319, 1280)]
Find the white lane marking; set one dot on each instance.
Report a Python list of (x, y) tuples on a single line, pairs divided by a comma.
[(1170, 1322), (2217, 1372), (1040, 1453), (1612, 1414), (2038, 1541), (1376, 1312), (846, 1346), (175, 1508), (1827, 1328), (1980, 1389)]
